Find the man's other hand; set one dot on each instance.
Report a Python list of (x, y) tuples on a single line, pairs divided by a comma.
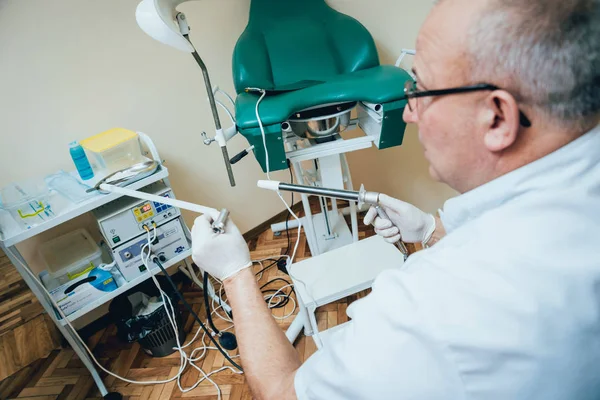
[(405, 222), (222, 255)]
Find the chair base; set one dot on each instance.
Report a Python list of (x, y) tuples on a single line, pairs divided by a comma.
[(337, 274)]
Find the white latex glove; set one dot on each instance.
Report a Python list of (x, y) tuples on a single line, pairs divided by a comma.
[(222, 255), (405, 221)]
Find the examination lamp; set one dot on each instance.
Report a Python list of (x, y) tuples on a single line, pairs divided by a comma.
[(161, 21)]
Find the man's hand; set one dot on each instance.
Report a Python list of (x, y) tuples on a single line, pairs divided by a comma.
[(222, 255), (269, 359), (406, 221)]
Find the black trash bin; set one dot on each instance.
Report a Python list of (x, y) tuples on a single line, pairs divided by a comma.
[(153, 331)]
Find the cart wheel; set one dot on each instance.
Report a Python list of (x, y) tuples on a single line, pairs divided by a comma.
[(113, 396)]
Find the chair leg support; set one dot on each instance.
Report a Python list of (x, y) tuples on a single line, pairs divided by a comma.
[(295, 328)]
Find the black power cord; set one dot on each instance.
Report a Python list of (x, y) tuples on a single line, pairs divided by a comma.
[(286, 296), (287, 220), (191, 311), (281, 262), (227, 339)]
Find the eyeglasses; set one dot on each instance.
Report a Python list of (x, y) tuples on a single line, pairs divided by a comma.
[(412, 94)]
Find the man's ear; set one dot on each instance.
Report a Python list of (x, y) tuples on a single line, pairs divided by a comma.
[(502, 124)]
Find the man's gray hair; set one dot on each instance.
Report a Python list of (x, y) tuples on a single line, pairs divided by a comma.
[(545, 52)]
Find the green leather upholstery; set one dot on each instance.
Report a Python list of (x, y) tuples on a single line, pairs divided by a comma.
[(289, 44), (306, 54), (380, 85)]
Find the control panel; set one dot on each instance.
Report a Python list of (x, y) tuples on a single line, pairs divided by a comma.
[(125, 218), (170, 241), (147, 211), (143, 212)]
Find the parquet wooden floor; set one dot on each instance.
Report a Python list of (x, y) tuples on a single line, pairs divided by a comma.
[(62, 375)]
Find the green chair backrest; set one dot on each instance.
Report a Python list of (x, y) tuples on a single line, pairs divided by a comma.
[(291, 44)]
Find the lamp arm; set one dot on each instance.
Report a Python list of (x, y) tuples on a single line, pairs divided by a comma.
[(219, 136), (211, 97)]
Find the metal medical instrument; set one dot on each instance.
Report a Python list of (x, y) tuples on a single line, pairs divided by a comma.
[(113, 183), (218, 225), (361, 197)]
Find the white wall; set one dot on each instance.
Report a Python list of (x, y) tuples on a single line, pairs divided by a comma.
[(73, 68)]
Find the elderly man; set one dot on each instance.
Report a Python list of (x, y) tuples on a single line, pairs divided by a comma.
[(505, 302)]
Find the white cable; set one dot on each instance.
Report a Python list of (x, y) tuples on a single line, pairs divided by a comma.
[(262, 131), (272, 258), (226, 111), (206, 347), (270, 298), (218, 89), (166, 300), (267, 297), (403, 53), (226, 318), (289, 265), (200, 328), (299, 231), (173, 320), (290, 260), (220, 296), (264, 140), (170, 312), (84, 345), (261, 270)]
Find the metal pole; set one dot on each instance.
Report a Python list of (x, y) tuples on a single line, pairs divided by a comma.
[(309, 227), (211, 96), (353, 212), (325, 215), (215, 112)]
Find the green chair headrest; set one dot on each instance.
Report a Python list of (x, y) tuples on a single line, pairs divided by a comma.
[(293, 44)]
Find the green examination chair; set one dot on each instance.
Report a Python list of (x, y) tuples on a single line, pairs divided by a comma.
[(312, 61)]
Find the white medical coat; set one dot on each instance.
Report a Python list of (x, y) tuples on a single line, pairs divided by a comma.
[(506, 306)]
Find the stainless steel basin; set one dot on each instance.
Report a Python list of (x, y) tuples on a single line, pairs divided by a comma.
[(321, 126)]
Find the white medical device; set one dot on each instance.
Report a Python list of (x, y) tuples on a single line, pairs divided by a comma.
[(123, 224)]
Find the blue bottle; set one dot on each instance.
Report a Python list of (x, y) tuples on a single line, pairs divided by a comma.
[(81, 162)]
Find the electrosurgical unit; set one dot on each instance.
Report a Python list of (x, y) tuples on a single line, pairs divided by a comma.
[(124, 224)]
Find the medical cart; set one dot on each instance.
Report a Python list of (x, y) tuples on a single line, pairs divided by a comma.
[(9, 241)]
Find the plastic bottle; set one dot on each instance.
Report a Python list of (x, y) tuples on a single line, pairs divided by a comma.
[(81, 162)]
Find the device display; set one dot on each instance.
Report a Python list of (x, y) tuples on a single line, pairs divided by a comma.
[(144, 212), (124, 219)]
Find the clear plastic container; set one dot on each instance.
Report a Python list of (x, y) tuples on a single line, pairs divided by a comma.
[(27, 202), (70, 255), (113, 150)]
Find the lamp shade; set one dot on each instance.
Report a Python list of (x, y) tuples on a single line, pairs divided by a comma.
[(158, 19)]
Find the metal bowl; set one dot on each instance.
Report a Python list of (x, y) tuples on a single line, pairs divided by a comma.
[(319, 127)]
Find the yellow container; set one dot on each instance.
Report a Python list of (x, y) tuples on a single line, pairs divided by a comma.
[(113, 150)]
